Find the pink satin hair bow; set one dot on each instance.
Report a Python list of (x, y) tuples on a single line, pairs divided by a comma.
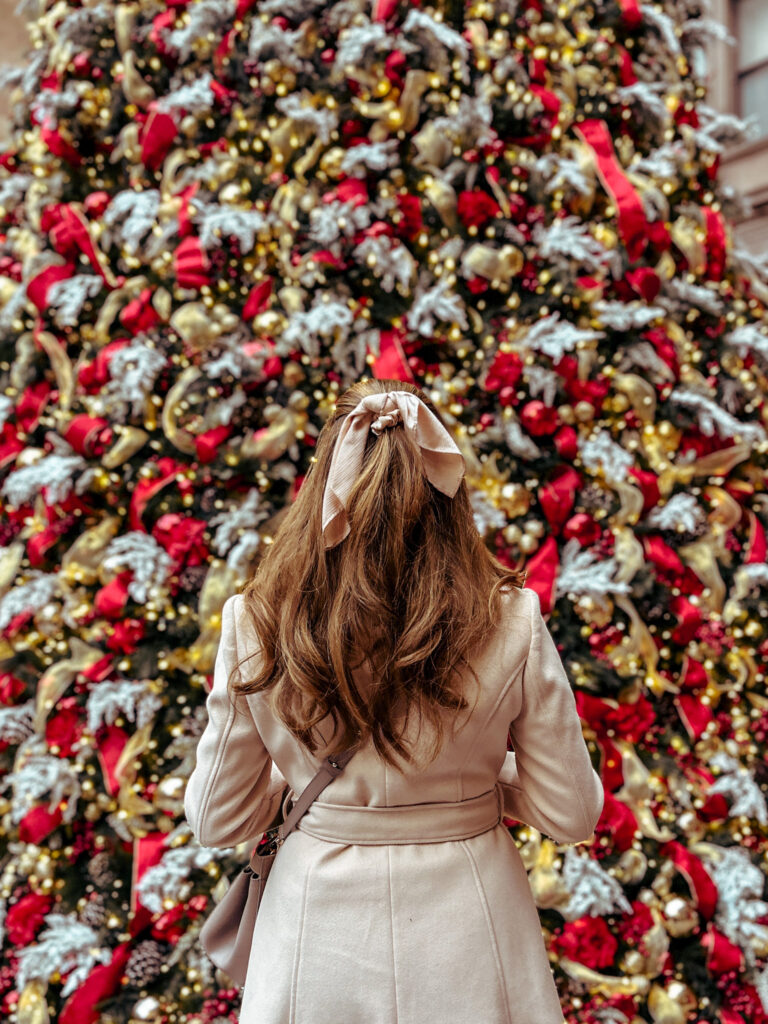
[(444, 464)]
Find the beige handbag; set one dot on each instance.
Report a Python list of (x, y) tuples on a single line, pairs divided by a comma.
[(227, 933)]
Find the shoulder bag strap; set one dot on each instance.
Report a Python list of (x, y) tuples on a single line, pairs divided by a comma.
[(330, 768)]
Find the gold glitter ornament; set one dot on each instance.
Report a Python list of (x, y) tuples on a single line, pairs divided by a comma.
[(680, 916), (665, 1009), (147, 1010), (169, 795), (631, 867), (632, 962), (493, 264), (32, 1007)]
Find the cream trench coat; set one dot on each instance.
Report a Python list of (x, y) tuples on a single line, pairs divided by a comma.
[(403, 899)]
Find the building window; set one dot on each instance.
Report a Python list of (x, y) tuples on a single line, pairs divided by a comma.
[(752, 60)]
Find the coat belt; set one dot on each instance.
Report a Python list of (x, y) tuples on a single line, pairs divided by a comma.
[(437, 822)]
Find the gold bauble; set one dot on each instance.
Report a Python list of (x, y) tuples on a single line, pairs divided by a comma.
[(633, 962), (147, 1009), (680, 916), (631, 867), (664, 1009)]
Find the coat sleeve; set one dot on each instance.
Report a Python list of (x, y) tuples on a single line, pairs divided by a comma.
[(235, 789), (548, 780)]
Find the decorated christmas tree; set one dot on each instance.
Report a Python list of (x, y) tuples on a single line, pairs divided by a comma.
[(214, 216)]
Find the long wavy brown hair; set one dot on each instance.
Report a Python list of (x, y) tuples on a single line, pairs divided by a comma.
[(412, 588)]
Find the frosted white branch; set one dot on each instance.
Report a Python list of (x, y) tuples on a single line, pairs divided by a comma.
[(127, 697), (554, 337), (714, 419), (592, 890), (582, 572), (602, 453), (681, 510), (142, 554), (66, 945)]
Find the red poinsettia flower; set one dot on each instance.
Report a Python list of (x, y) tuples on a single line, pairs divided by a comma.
[(589, 941)]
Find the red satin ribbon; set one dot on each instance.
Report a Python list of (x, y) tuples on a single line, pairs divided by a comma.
[(391, 363), (81, 1007), (147, 489), (207, 445), (110, 600), (147, 851), (30, 406), (70, 235), (258, 299), (689, 618), (631, 14), (191, 264), (694, 715), (694, 675), (716, 243), (157, 138), (542, 572), (557, 496), (185, 222), (611, 770), (756, 545), (52, 138), (139, 315), (88, 435), (10, 445), (41, 543), (384, 9), (662, 555), (703, 889), (41, 284), (722, 954), (626, 67), (633, 225), (108, 752)]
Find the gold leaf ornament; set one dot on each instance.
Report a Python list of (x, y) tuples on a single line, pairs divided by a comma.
[(547, 885), (135, 89), (82, 561), (494, 264), (607, 984), (274, 440), (55, 680), (178, 436), (219, 584)]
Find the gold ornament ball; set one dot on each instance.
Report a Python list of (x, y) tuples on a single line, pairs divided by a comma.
[(528, 544), (680, 917), (512, 533)]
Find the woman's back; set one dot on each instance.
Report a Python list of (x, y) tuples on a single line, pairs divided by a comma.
[(401, 898)]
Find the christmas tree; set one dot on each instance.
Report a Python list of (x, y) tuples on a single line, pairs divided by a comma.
[(214, 216)]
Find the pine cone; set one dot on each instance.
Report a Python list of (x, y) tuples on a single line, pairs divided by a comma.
[(94, 913), (191, 578), (594, 497), (100, 870), (144, 963)]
